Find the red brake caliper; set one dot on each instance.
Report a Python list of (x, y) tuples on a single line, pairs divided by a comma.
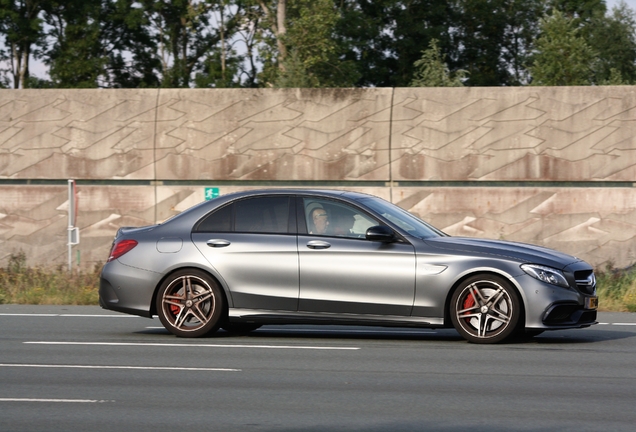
[(175, 309), (468, 303)]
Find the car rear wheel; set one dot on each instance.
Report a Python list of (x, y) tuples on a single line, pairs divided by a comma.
[(190, 304), (485, 309)]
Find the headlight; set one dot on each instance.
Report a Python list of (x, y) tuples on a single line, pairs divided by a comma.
[(546, 274)]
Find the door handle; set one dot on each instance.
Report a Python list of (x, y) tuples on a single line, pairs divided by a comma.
[(217, 243), (318, 244)]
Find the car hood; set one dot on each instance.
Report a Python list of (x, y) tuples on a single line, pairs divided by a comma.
[(518, 251)]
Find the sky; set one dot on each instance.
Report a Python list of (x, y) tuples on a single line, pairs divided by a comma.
[(611, 3)]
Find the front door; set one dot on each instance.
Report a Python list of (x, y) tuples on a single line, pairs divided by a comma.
[(342, 272)]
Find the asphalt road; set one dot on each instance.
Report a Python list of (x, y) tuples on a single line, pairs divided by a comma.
[(82, 368)]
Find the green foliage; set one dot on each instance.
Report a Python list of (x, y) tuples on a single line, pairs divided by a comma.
[(21, 26), (480, 34), (582, 10), (295, 74), (314, 55), (613, 37), (77, 58), (212, 74), (617, 289), (432, 71), (384, 38), (21, 284), (563, 58), (615, 78), (321, 43)]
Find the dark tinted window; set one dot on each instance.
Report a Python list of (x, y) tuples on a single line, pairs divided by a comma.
[(219, 221), (262, 215), (256, 215)]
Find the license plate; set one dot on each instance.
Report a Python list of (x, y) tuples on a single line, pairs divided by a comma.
[(591, 302)]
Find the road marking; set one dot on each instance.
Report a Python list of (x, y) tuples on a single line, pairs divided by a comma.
[(54, 400), (119, 367), (196, 345), (618, 324), (69, 315)]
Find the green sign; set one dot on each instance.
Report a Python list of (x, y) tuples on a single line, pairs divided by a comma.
[(211, 192)]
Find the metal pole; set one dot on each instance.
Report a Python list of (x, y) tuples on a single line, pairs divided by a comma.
[(70, 225), (71, 222)]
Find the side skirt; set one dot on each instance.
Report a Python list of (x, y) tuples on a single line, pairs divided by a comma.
[(262, 316)]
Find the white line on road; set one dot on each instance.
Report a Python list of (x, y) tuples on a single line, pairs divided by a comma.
[(54, 400), (618, 324), (118, 367), (196, 345)]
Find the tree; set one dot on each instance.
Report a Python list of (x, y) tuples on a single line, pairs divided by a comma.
[(562, 57), (581, 10), (130, 46), (310, 35), (520, 32), (22, 28), (432, 71), (613, 36), (492, 40), (384, 38), (305, 28), (74, 50)]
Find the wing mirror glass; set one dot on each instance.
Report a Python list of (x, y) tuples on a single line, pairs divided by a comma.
[(380, 233)]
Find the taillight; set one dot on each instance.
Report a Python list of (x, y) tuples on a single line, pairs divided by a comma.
[(121, 248)]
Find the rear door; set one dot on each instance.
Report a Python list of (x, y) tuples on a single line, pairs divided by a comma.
[(251, 244)]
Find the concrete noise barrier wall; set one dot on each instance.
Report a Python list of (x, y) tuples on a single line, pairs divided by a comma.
[(554, 166)]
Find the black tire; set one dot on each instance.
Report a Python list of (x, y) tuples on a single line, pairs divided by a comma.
[(190, 304), (240, 328), (485, 309)]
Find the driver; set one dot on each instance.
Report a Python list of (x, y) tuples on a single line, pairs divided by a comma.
[(320, 219)]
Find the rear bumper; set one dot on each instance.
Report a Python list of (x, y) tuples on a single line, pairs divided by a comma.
[(127, 289)]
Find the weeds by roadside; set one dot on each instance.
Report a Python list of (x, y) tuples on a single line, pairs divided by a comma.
[(20, 284), (617, 289)]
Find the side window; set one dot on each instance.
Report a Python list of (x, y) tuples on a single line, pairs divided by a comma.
[(332, 218), (219, 221), (262, 215), (252, 215)]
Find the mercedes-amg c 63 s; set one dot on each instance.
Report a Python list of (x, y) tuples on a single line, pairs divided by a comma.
[(248, 259)]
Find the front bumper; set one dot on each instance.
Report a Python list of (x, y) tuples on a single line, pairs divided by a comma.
[(569, 315), (552, 307)]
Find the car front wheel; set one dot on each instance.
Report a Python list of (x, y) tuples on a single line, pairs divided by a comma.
[(485, 309), (190, 304)]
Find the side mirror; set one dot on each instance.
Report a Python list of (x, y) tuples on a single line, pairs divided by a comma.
[(380, 233)]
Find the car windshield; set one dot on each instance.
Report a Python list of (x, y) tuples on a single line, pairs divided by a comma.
[(402, 219)]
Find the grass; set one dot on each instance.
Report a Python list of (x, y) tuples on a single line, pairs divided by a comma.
[(20, 284), (617, 289)]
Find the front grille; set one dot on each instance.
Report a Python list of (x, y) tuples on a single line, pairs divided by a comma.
[(585, 281)]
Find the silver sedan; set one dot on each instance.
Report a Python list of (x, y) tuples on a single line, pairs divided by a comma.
[(333, 257)]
